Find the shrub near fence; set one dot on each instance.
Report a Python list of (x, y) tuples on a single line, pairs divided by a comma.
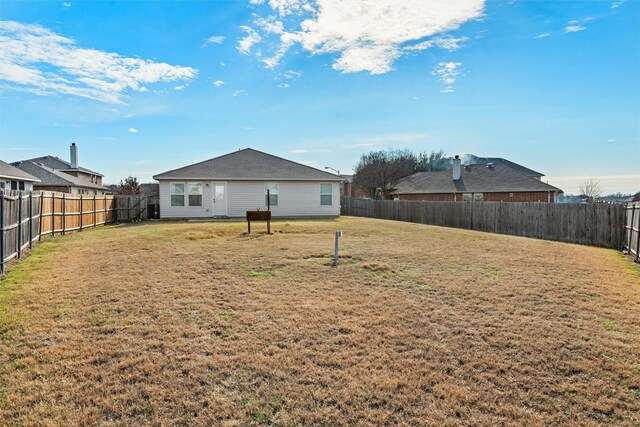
[(27, 217), (596, 224)]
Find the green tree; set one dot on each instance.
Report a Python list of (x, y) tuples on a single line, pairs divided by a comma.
[(434, 161), (129, 186)]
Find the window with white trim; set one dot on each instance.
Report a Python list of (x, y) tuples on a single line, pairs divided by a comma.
[(177, 193), (194, 189), (272, 187), (326, 194)]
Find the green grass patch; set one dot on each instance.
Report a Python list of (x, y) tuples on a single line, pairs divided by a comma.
[(611, 325), (266, 273)]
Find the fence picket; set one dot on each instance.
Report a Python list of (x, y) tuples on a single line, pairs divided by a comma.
[(596, 224)]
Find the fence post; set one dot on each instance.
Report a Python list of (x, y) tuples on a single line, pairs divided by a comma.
[(40, 221), (81, 212), (18, 249), (53, 214), (31, 220), (637, 236), (64, 212), (128, 208), (94, 210), (1, 231)]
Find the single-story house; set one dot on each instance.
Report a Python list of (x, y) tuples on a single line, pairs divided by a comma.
[(12, 178), (229, 185), (55, 174), (476, 160), (477, 182)]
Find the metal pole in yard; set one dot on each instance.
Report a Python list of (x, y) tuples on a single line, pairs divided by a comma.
[(19, 224), (1, 231), (335, 255), (31, 220)]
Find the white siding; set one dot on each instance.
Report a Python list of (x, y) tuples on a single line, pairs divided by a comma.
[(295, 198), (168, 211)]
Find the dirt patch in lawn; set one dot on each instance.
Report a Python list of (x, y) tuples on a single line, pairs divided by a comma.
[(197, 323)]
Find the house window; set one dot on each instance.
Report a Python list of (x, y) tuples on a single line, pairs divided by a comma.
[(21, 185), (326, 195), (467, 197), (272, 187), (478, 197), (2, 185), (195, 193), (177, 193), (14, 185)]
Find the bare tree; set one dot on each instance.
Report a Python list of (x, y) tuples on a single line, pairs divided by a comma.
[(380, 171), (590, 189)]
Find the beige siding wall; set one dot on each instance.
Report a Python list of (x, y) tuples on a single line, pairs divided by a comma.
[(295, 198), (168, 211)]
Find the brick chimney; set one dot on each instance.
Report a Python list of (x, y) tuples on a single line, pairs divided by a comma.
[(457, 163), (74, 156)]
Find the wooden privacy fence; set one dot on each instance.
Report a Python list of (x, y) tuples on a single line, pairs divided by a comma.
[(27, 217), (595, 224), (632, 230)]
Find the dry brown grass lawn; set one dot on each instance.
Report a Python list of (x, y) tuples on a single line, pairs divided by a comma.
[(198, 324)]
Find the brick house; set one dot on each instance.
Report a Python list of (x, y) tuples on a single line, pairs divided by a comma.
[(490, 182), (55, 174)]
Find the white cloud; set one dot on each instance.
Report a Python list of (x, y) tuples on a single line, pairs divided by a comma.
[(447, 73), (574, 28), (245, 43), (543, 35), (38, 60), (291, 75), (141, 162), (617, 4), (218, 83), (143, 89), (66, 4), (179, 87), (298, 151), (310, 162), (238, 92), (222, 64), (366, 35), (284, 85), (214, 40), (133, 130)]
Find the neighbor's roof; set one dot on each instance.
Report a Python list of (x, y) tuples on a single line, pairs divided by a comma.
[(515, 166), (474, 178), (59, 164), (249, 164), (55, 178), (12, 172)]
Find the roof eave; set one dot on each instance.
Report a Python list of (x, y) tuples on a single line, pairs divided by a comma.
[(163, 178)]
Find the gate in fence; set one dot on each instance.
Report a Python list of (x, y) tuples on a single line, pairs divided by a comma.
[(632, 230), (27, 217)]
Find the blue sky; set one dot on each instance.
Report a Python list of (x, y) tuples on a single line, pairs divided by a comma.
[(147, 86)]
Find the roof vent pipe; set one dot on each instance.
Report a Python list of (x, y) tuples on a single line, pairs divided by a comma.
[(74, 156), (456, 167)]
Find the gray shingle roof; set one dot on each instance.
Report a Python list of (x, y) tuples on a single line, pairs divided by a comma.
[(59, 164), (54, 178), (474, 178), (515, 166), (249, 164), (8, 171)]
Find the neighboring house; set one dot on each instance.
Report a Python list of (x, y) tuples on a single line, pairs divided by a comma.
[(349, 190), (12, 178), (229, 185), (56, 174), (475, 160), (480, 182)]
